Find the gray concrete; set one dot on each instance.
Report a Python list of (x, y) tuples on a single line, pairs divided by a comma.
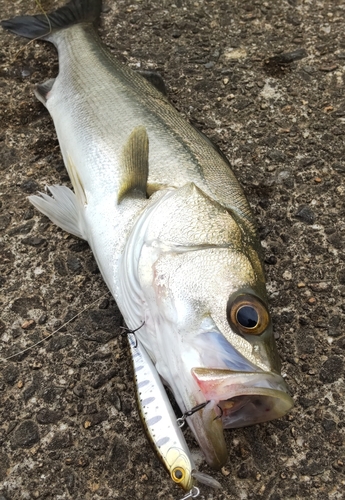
[(69, 428)]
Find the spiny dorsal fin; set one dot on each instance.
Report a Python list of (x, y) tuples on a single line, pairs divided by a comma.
[(155, 79), (134, 165)]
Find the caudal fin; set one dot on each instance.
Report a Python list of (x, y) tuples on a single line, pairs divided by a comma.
[(42, 26)]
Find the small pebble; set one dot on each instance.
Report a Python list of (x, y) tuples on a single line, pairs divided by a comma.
[(82, 462), (36, 365), (332, 369), (79, 391), (328, 67), (287, 57), (322, 286), (25, 435), (287, 275), (93, 486), (29, 186), (305, 214), (42, 319), (48, 416), (28, 324), (225, 471)]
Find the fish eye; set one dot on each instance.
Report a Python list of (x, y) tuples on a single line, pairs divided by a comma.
[(178, 474), (248, 314)]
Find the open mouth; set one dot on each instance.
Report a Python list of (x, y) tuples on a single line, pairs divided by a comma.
[(245, 398)]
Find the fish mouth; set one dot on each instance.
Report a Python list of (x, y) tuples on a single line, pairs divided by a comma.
[(244, 398)]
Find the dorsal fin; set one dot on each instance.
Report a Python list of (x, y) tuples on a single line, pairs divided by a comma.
[(134, 165), (155, 79)]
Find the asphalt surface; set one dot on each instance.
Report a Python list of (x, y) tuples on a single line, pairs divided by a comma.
[(69, 427)]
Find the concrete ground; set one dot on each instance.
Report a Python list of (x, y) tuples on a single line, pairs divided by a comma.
[(69, 427)]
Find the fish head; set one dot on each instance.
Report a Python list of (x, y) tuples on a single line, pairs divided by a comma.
[(204, 285), (180, 468), (225, 325)]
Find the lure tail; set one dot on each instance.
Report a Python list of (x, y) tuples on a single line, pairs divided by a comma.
[(42, 26)]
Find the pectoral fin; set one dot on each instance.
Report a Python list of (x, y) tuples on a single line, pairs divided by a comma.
[(62, 208), (134, 165)]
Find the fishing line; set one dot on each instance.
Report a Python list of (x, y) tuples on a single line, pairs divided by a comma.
[(39, 5), (55, 331)]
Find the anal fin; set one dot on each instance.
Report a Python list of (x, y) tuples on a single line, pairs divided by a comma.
[(134, 165), (62, 208)]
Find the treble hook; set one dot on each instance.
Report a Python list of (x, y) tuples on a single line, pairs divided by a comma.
[(193, 493), (132, 333), (221, 413), (181, 421)]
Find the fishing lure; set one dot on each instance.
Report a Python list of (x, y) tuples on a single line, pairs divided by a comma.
[(161, 425)]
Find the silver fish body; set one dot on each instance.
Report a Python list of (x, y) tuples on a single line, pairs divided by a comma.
[(170, 228)]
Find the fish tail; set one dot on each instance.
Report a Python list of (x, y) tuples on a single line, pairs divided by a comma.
[(44, 25)]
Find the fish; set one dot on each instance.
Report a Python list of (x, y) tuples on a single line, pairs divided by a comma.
[(170, 228)]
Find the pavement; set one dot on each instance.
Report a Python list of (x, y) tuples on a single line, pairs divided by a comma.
[(265, 81)]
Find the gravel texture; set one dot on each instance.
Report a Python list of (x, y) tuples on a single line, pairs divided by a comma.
[(265, 81)]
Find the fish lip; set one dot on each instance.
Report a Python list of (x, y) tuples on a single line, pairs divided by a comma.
[(245, 398)]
